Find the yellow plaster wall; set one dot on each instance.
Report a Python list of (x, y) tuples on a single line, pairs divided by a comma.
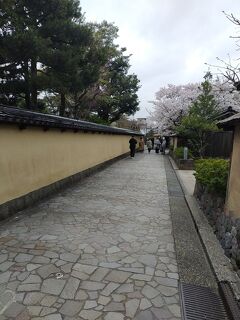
[(31, 158), (233, 198)]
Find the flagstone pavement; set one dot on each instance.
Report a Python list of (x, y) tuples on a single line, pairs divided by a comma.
[(102, 249)]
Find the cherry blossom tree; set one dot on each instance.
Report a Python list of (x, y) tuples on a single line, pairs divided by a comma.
[(171, 104), (226, 94)]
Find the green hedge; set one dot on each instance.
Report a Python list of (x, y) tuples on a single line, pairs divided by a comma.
[(213, 174), (179, 153)]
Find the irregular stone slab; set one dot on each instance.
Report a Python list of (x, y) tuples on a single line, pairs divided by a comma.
[(145, 304), (161, 313), (51, 254), (5, 266), (118, 276), (29, 287), (33, 279), (128, 237), (99, 274), (150, 292), (118, 297), (110, 288), (23, 257), (89, 249), (67, 268), (34, 310), (113, 249), (142, 277), (80, 275), (23, 275), (46, 270), (150, 271), (69, 257), (135, 294), (152, 248), (40, 260), (14, 310), (33, 298), (90, 304), (48, 237), (125, 288), (56, 316), (84, 268), (93, 295), (114, 316), (114, 306), (53, 286), (46, 311), (128, 260), (173, 275), (19, 297), (158, 301), (71, 308), (90, 314), (131, 307), (167, 282), (92, 285), (30, 267), (133, 270), (60, 263), (4, 277), (104, 300), (70, 288), (99, 308), (110, 265), (81, 295), (167, 291), (3, 257), (148, 259), (145, 315), (175, 310), (48, 301)]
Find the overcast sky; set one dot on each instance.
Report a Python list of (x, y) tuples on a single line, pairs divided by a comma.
[(170, 40)]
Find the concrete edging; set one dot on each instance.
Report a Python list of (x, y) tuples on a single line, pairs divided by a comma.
[(11, 207)]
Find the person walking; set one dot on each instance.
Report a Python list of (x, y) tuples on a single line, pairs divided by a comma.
[(164, 144), (141, 145), (157, 145), (132, 146), (149, 145)]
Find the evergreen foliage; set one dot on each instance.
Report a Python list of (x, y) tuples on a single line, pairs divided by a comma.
[(200, 119), (213, 174), (52, 60)]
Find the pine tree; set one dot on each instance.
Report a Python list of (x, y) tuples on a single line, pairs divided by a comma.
[(200, 120)]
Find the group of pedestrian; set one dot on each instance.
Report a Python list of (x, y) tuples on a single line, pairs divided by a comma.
[(159, 144)]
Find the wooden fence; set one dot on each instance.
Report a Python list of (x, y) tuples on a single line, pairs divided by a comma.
[(219, 144)]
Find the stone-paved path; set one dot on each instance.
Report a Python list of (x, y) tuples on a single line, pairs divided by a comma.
[(102, 249)]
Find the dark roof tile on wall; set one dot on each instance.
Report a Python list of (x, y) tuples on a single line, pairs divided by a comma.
[(25, 118)]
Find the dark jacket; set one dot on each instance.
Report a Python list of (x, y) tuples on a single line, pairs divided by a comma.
[(132, 143)]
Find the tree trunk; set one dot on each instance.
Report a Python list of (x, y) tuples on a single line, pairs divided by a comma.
[(34, 93), (27, 85), (63, 105)]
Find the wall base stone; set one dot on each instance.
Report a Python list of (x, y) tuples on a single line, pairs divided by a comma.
[(226, 228)]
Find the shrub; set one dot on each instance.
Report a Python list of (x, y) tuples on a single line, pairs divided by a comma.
[(213, 174), (179, 153)]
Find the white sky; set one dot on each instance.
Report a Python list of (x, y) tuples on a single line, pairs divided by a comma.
[(170, 40)]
